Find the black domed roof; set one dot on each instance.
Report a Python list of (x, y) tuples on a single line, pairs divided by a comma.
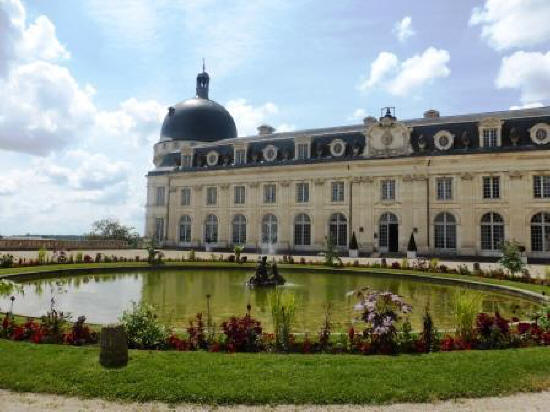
[(199, 118)]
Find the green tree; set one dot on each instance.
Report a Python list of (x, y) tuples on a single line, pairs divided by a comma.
[(511, 257), (112, 229)]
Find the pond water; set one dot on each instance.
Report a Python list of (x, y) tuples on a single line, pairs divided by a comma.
[(179, 295)]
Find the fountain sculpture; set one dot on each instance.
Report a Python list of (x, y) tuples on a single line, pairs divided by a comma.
[(266, 275)]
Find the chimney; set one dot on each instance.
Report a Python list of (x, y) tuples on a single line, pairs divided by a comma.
[(265, 129), (431, 114)]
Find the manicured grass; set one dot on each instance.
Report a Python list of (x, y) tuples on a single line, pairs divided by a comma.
[(216, 378)]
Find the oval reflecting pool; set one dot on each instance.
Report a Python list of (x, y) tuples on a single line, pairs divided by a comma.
[(180, 294)]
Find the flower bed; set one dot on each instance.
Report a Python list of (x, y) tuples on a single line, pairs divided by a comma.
[(381, 327)]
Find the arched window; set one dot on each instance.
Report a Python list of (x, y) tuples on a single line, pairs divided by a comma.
[(211, 229), (445, 231), (492, 231), (302, 230), (387, 238), (185, 229), (540, 232), (239, 229), (269, 229), (338, 229)]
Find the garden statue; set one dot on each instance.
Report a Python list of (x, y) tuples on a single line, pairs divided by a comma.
[(262, 277)]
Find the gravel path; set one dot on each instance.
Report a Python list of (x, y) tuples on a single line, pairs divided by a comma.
[(23, 402)]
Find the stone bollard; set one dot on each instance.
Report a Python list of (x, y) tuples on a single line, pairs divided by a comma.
[(113, 346)]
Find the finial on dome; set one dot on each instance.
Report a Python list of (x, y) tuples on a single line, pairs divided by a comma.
[(202, 82)]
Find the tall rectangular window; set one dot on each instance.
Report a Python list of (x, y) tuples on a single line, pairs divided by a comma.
[(186, 160), (270, 193), (444, 188), (337, 192), (490, 137), (387, 190), (491, 187), (159, 229), (159, 201), (302, 192), (303, 151), (186, 196), (240, 156), (211, 195), (239, 195), (541, 187)]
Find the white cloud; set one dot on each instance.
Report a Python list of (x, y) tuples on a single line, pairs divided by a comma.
[(380, 68), (42, 108), (527, 106), (403, 29), (401, 78), (507, 24), (529, 72), (358, 114), (92, 160), (248, 117)]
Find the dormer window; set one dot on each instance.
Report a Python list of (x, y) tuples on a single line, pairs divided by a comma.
[(540, 133), (490, 137), (186, 153), (337, 147), (302, 148), (270, 153), (490, 132), (186, 160)]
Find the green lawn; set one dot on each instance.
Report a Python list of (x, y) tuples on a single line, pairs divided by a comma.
[(216, 378)]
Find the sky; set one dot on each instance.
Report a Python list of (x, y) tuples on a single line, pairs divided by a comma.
[(84, 85)]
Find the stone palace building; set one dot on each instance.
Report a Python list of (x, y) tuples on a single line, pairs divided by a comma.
[(461, 184)]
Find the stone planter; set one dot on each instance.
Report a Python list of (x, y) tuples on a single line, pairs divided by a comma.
[(113, 347), (353, 253), (411, 254)]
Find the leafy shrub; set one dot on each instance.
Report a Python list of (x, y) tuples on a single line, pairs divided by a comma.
[(463, 270), (404, 263), (143, 328), (324, 335), (97, 258), (87, 259), (283, 308), (433, 264), (192, 256), (42, 254), (493, 331), (302, 260), (466, 308), (511, 257), (6, 261), (395, 265), (411, 247), (80, 334), (380, 311), (197, 338), (52, 325), (243, 334), (79, 257), (353, 245), (237, 250), (428, 339)]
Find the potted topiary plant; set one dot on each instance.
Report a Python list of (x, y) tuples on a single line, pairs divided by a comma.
[(411, 248), (353, 247)]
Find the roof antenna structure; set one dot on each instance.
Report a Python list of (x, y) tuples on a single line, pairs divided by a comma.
[(203, 66)]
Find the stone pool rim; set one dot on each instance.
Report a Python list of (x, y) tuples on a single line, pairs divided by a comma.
[(425, 277)]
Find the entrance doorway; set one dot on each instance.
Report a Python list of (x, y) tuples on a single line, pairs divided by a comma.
[(389, 233), (393, 237)]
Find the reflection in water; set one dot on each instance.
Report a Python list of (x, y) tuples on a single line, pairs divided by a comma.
[(179, 295)]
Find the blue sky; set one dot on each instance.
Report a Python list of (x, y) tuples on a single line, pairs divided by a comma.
[(86, 83)]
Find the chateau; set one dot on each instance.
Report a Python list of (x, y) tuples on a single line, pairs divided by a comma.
[(461, 184)]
